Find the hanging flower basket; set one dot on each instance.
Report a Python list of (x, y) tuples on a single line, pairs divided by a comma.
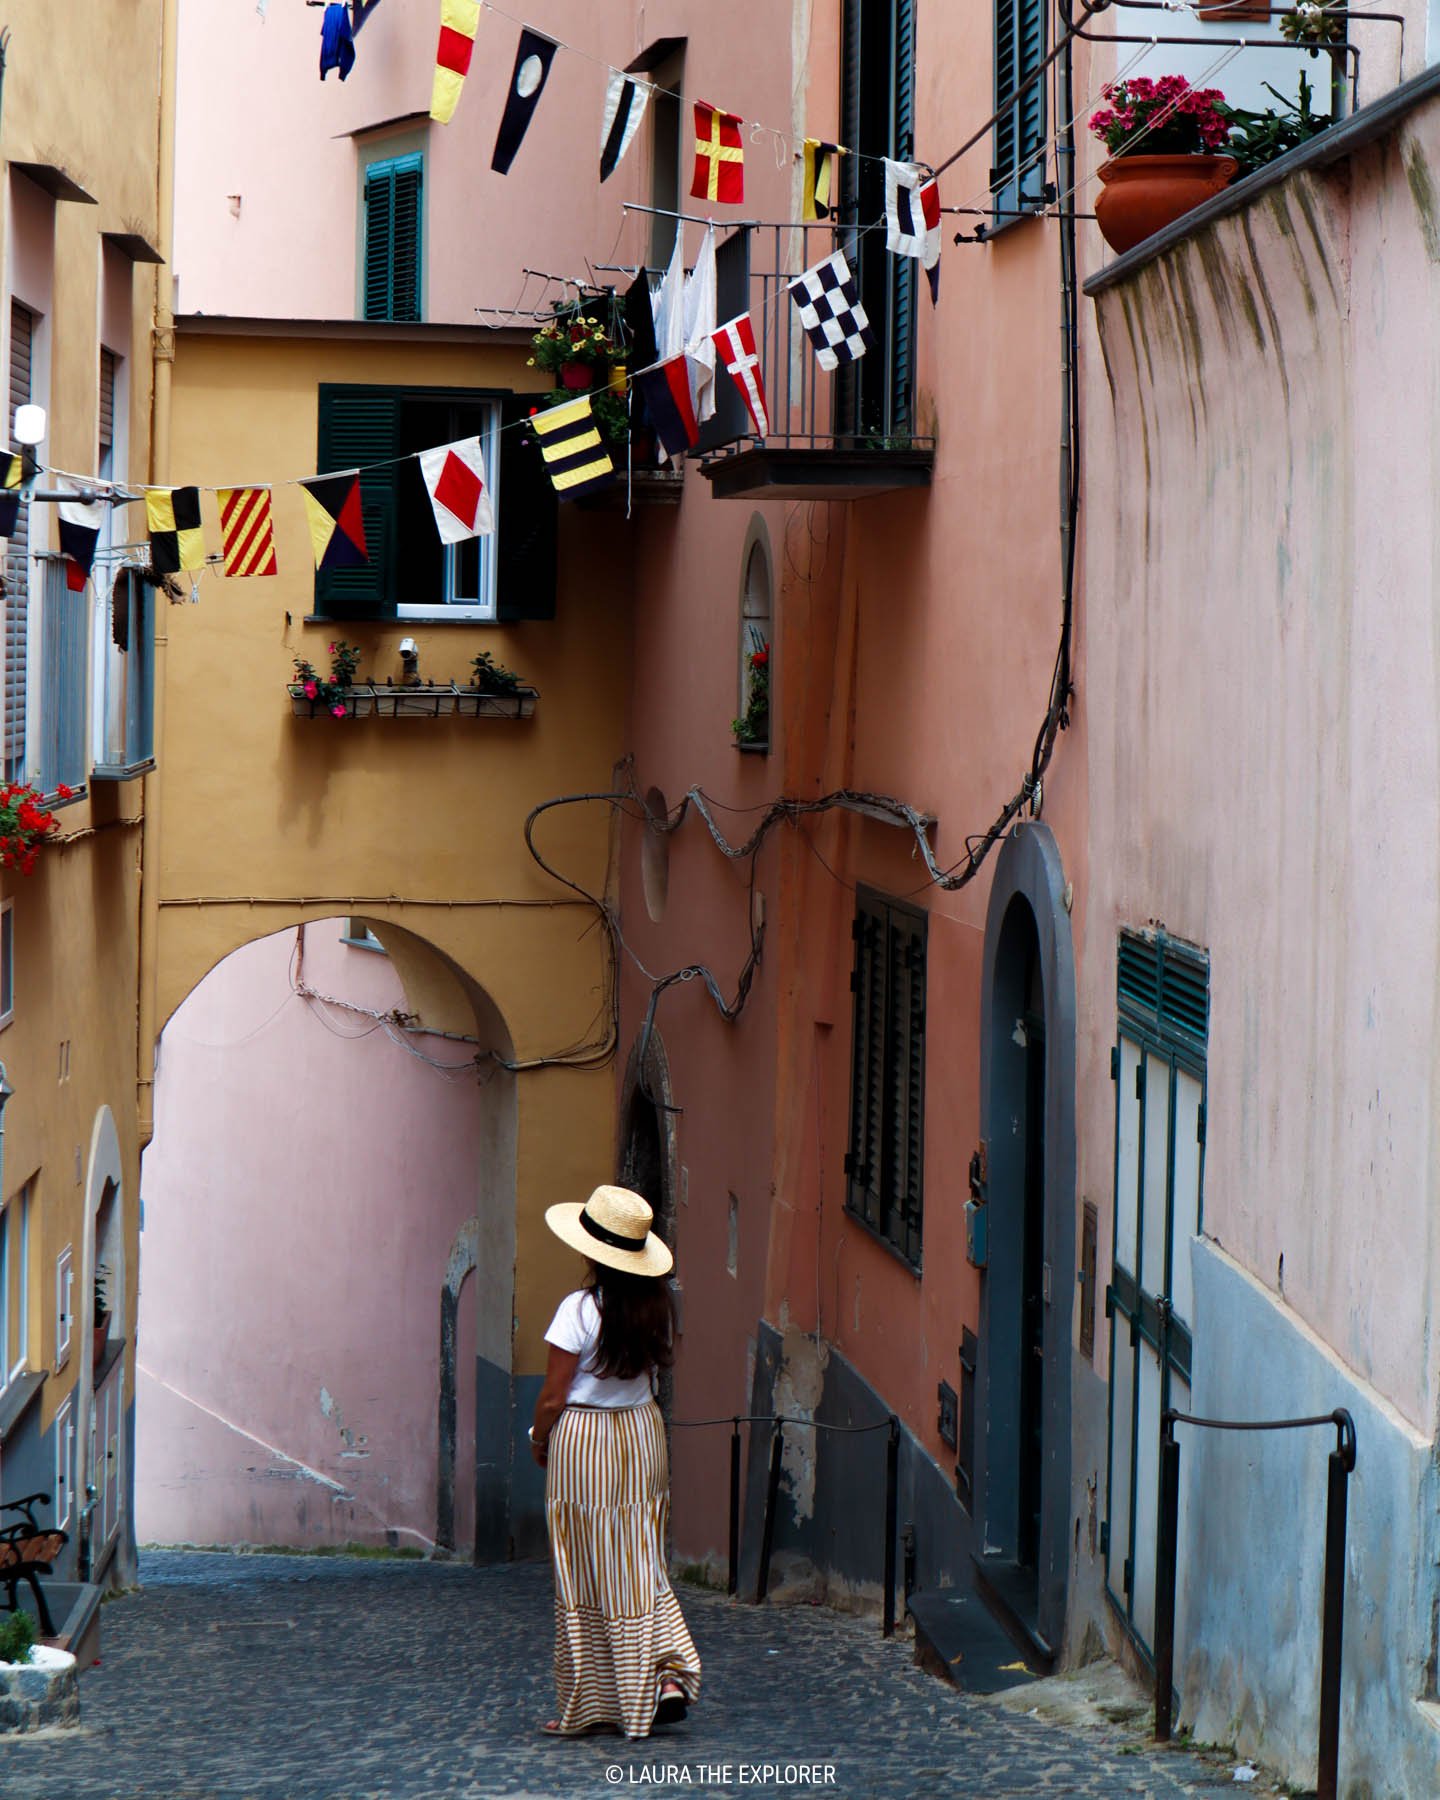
[(576, 375)]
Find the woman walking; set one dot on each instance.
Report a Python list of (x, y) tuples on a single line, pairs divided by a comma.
[(623, 1656)]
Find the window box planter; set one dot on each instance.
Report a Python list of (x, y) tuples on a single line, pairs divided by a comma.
[(476, 703), (358, 702)]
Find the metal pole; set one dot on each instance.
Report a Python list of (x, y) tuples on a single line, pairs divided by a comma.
[(772, 1498), (892, 1487), (734, 1580), (1167, 1533), (1342, 1460)]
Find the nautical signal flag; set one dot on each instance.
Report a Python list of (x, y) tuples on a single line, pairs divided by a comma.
[(459, 21), (247, 540), (455, 479), (665, 389), (172, 517), (337, 526), (830, 312), (79, 533), (576, 459), (625, 103), (818, 196), (527, 83), (736, 343), (719, 156), (12, 473), (912, 217)]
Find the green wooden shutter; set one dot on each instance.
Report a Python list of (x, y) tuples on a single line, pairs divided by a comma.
[(526, 567), (360, 426), (903, 269), (393, 195), (1019, 173), (405, 279), (864, 1162)]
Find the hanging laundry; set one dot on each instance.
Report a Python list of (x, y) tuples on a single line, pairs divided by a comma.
[(12, 473), (665, 389), (670, 301), (719, 156), (172, 517), (337, 42), (912, 218), (337, 524), (455, 480), (830, 312), (80, 523), (819, 192), (576, 459), (639, 315), (625, 103), (736, 343), (700, 321), (532, 69), (459, 21), (247, 539)]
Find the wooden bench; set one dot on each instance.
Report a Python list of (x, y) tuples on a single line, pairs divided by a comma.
[(28, 1551)]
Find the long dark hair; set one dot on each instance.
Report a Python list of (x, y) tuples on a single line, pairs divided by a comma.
[(637, 1323)]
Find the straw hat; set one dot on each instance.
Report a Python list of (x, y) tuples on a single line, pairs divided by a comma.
[(612, 1227)]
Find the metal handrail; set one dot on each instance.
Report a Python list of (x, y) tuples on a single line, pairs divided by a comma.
[(1341, 1465)]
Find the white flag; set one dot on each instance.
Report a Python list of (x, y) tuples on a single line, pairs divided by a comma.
[(625, 103), (700, 324), (455, 478)]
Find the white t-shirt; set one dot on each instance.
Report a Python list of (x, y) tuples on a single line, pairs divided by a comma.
[(576, 1327)]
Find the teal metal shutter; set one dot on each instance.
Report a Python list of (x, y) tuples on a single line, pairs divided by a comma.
[(1019, 173), (17, 561), (360, 428), (393, 238), (528, 522), (65, 636)]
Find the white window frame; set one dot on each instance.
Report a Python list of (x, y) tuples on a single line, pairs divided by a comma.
[(481, 607), (7, 962), (64, 1462), (17, 1210), (64, 1305)]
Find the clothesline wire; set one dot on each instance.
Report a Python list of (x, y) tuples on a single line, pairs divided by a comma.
[(604, 62)]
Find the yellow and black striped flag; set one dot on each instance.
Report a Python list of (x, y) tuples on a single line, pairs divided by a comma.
[(576, 459), (172, 516)]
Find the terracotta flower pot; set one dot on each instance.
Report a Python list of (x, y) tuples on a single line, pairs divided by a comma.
[(576, 375), (1142, 194)]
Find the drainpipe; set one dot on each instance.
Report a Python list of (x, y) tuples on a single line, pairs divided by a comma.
[(163, 359)]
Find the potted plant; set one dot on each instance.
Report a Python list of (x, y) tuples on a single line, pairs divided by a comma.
[(1164, 139), (496, 690), (1257, 138), (25, 824), (312, 692), (752, 728), (574, 347), (101, 1333)]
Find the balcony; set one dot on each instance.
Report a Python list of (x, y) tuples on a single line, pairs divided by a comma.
[(840, 435)]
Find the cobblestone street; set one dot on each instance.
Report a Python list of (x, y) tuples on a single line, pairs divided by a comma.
[(307, 1678)]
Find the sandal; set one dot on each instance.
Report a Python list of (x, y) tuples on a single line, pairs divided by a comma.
[(672, 1705), (553, 1728)]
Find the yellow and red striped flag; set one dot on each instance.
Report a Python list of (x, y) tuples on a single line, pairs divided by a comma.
[(246, 539), (459, 21)]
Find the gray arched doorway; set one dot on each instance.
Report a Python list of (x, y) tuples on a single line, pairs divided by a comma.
[(1027, 1105)]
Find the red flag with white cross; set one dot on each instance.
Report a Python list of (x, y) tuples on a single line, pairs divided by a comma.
[(719, 156)]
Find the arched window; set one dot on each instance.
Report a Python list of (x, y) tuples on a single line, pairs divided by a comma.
[(752, 723)]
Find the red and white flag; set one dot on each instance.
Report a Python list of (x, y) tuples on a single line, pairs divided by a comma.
[(912, 217), (736, 343), (455, 478), (719, 155)]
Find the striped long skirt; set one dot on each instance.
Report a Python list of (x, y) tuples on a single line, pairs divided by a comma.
[(618, 1627)]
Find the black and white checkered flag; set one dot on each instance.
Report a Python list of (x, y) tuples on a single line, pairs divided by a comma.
[(831, 312)]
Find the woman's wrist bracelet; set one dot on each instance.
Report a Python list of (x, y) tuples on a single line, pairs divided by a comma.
[(539, 1443)]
